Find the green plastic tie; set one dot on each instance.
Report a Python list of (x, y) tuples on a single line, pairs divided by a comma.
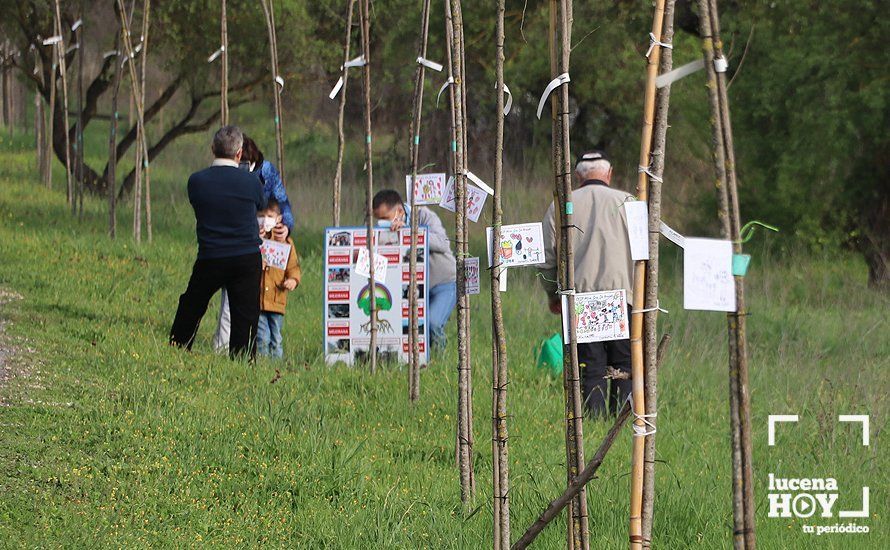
[(748, 230)]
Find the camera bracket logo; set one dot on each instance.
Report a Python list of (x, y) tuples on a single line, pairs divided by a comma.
[(814, 497)]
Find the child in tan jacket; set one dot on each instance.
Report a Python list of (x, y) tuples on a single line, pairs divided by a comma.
[(275, 285)]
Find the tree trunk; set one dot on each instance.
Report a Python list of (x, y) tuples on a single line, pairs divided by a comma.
[(278, 87), (341, 135), (111, 172), (224, 66)]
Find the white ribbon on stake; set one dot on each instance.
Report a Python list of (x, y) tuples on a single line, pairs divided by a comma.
[(216, 54), (555, 83), (509, 103), (479, 183), (672, 76), (354, 62), (76, 25), (52, 40), (109, 53), (430, 64), (72, 48), (280, 81), (721, 64), (448, 82)]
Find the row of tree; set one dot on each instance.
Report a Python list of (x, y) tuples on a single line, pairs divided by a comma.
[(807, 80)]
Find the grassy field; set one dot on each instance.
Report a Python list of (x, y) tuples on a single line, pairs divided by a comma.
[(112, 439)]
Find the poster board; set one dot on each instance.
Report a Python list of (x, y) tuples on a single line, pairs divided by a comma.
[(346, 295)]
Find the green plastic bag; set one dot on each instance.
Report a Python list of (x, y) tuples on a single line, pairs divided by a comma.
[(550, 355)]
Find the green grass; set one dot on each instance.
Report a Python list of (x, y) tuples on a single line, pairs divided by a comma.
[(117, 440)]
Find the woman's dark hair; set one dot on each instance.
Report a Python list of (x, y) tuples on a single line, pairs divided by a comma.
[(251, 153)]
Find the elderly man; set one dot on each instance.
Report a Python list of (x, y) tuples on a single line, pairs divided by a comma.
[(390, 211), (602, 262), (226, 200)]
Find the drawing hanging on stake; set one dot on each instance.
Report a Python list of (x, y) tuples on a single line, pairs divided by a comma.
[(520, 244), (428, 188), (471, 265), (475, 200), (601, 316), (275, 254), (363, 265), (637, 229), (707, 275)]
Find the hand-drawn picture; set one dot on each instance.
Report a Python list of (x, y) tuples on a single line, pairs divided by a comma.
[(600, 316), (475, 200), (363, 265), (471, 266), (343, 238), (338, 275), (708, 283), (383, 301), (521, 244), (428, 188), (275, 254)]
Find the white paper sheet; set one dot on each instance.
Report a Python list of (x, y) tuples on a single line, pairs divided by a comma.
[(638, 229), (363, 265), (707, 275), (520, 244)]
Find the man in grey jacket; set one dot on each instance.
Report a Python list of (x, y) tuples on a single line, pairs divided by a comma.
[(602, 262), (390, 209)]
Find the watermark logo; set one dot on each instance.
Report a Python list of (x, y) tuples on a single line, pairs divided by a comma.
[(806, 498)]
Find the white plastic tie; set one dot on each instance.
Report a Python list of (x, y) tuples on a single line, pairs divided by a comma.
[(654, 41), (509, 103), (721, 64), (479, 183), (52, 40), (355, 62), (555, 83), (648, 309), (430, 64), (76, 25), (648, 172), (216, 54), (448, 82), (280, 81), (648, 428), (110, 53)]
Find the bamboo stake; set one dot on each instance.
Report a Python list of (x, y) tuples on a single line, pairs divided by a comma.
[(578, 483), (341, 136), (112, 144), (636, 325), (269, 11), (720, 168), (499, 375), (414, 153), (364, 18), (650, 323), (79, 136), (561, 26), (459, 147), (224, 66), (60, 54)]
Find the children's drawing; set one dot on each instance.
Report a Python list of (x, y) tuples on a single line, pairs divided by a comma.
[(475, 200), (363, 265), (520, 244), (471, 266), (383, 302), (637, 229), (601, 316), (275, 254), (428, 188), (707, 275)]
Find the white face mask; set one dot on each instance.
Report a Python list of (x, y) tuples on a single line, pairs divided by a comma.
[(266, 223), (252, 166)]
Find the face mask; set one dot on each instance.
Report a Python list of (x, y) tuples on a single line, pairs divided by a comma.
[(384, 224), (252, 166)]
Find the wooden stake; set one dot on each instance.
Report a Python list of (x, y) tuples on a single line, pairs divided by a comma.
[(60, 55), (740, 415), (364, 18), (112, 144), (277, 88), (224, 65), (577, 484), (79, 135), (341, 135), (650, 323), (414, 154), (50, 127), (499, 374), (146, 11), (459, 147)]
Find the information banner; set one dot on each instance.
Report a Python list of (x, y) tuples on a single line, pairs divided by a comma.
[(347, 298)]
